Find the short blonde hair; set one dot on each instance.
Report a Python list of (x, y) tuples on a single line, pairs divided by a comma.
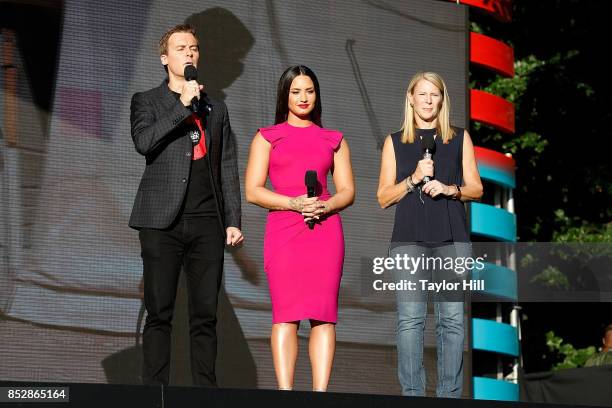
[(444, 128), (180, 28)]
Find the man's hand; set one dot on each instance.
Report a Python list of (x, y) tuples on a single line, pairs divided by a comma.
[(190, 90), (233, 236)]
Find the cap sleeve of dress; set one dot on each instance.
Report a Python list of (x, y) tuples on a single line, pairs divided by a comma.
[(333, 137), (272, 134)]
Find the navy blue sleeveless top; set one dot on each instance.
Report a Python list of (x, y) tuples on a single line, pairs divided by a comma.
[(437, 219)]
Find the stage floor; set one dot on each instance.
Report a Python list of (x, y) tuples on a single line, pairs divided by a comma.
[(140, 396)]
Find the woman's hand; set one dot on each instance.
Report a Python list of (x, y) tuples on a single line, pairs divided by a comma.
[(424, 168), (314, 210), (300, 202), (434, 188)]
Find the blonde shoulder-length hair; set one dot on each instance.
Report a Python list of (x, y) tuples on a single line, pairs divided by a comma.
[(443, 127)]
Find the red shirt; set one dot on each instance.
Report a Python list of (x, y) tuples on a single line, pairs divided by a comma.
[(199, 150)]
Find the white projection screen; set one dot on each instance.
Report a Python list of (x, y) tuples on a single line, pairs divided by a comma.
[(70, 267)]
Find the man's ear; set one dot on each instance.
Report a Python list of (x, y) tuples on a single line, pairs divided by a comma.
[(164, 59)]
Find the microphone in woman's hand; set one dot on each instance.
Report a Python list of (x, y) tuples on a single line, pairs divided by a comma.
[(310, 179), (429, 145)]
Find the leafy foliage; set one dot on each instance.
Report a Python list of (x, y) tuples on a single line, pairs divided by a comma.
[(571, 356), (561, 95), (552, 278)]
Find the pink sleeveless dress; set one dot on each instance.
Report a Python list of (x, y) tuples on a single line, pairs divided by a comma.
[(303, 266)]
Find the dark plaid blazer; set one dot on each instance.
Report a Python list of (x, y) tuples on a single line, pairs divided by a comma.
[(159, 133)]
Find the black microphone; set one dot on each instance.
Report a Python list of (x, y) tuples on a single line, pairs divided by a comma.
[(191, 74), (310, 179), (429, 145)]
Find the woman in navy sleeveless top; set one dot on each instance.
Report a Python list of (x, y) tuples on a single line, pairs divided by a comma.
[(430, 221)]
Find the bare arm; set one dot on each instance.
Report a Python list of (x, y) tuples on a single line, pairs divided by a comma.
[(389, 192), (343, 180), (472, 185)]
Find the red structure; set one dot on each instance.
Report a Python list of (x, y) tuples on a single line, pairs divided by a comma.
[(500, 9), (492, 110), (495, 220), (492, 54)]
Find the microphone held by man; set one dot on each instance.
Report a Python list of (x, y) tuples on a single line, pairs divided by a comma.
[(190, 93)]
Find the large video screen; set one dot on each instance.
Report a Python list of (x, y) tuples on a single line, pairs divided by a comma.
[(70, 269)]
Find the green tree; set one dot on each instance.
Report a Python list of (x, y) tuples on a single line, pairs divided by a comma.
[(562, 97), (571, 357), (562, 94)]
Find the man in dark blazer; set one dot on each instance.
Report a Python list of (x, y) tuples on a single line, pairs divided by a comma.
[(187, 206)]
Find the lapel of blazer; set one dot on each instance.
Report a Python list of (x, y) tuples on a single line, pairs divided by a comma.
[(167, 96), (206, 109)]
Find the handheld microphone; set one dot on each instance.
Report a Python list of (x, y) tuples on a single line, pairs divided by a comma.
[(191, 74), (428, 145), (310, 179)]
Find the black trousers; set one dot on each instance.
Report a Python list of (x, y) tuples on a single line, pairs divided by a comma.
[(196, 246)]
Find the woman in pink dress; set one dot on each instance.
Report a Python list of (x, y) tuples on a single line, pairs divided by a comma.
[(303, 262)]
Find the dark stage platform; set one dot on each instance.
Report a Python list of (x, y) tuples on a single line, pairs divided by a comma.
[(140, 396)]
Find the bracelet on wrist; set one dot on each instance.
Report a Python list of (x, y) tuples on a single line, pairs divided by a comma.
[(410, 184), (457, 194)]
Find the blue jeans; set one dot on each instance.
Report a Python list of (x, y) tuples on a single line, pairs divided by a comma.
[(412, 311)]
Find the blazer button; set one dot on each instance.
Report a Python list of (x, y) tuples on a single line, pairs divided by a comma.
[(184, 180)]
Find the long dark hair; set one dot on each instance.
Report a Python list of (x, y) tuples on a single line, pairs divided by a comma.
[(282, 94)]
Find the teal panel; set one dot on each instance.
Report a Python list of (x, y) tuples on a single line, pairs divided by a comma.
[(498, 176), (492, 222), (489, 335), (499, 281), (490, 389)]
